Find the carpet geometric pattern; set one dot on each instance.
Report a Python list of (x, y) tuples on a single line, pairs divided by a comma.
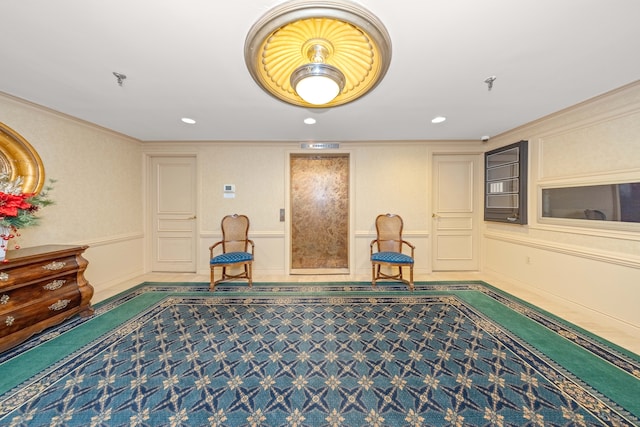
[(291, 358)]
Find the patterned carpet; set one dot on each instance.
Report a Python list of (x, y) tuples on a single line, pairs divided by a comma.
[(461, 354)]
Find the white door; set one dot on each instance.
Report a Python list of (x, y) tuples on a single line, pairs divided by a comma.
[(455, 212), (173, 207)]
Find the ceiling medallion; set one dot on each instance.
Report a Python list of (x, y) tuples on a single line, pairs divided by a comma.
[(318, 54)]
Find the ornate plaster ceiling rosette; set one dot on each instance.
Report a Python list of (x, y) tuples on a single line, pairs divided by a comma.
[(352, 39)]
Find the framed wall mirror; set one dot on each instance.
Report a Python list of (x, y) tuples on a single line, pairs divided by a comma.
[(19, 159)]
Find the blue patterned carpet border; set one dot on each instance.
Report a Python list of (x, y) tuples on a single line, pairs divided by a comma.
[(627, 362), (604, 409), (534, 363)]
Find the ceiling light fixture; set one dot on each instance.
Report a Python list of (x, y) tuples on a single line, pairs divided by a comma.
[(317, 83), (318, 54), (438, 119), (310, 121), (188, 121)]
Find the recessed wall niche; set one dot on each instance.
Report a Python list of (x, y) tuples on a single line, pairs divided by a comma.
[(603, 202)]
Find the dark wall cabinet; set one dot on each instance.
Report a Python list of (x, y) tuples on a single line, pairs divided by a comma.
[(505, 180)]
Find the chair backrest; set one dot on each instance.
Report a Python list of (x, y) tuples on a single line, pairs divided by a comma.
[(235, 233), (389, 229)]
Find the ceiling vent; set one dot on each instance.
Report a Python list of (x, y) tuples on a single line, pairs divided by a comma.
[(320, 145)]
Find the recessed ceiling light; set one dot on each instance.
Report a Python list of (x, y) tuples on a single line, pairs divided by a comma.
[(438, 119), (310, 121), (188, 121)]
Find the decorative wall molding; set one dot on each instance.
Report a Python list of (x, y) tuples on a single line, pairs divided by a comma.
[(607, 229), (252, 234), (600, 256), (418, 234), (616, 102), (613, 177), (591, 121), (23, 103), (567, 143), (111, 240), (281, 234)]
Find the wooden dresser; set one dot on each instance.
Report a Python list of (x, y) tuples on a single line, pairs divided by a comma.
[(40, 287)]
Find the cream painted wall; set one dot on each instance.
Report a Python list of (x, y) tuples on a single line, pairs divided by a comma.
[(101, 199), (385, 178), (585, 263), (98, 194)]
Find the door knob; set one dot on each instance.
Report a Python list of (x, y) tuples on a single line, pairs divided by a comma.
[(433, 215)]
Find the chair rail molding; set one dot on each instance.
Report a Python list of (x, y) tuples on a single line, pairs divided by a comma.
[(274, 234), (111, 239)]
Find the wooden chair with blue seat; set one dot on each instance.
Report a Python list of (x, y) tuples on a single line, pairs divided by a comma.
[(387, 251), (237, 251)]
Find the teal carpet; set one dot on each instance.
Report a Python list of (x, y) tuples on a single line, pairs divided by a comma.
[(330, 354)]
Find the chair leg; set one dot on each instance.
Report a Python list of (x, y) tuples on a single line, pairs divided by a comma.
[(212, 283), (373, 274), (247, 269), (411, 278)]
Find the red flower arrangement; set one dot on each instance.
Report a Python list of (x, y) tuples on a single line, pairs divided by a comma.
[(10, 203), (17, 209)]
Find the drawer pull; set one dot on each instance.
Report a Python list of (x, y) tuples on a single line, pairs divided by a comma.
[(56, 284), (9, 320), (61, 304), (4, 299), (4, 276), (55, 265)]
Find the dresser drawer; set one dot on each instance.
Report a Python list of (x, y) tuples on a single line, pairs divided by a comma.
[(11, 277), (39, 311), (17, 297), (41, 287)]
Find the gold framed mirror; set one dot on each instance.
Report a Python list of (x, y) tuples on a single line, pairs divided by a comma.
[(19, 158)]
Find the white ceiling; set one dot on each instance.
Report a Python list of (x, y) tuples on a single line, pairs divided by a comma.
[(186, 58)]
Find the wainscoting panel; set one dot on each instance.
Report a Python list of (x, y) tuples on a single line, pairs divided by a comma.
[(319, 213)]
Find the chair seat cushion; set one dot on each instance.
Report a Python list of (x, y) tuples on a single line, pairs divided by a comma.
[(232, 257), (392, 257)]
